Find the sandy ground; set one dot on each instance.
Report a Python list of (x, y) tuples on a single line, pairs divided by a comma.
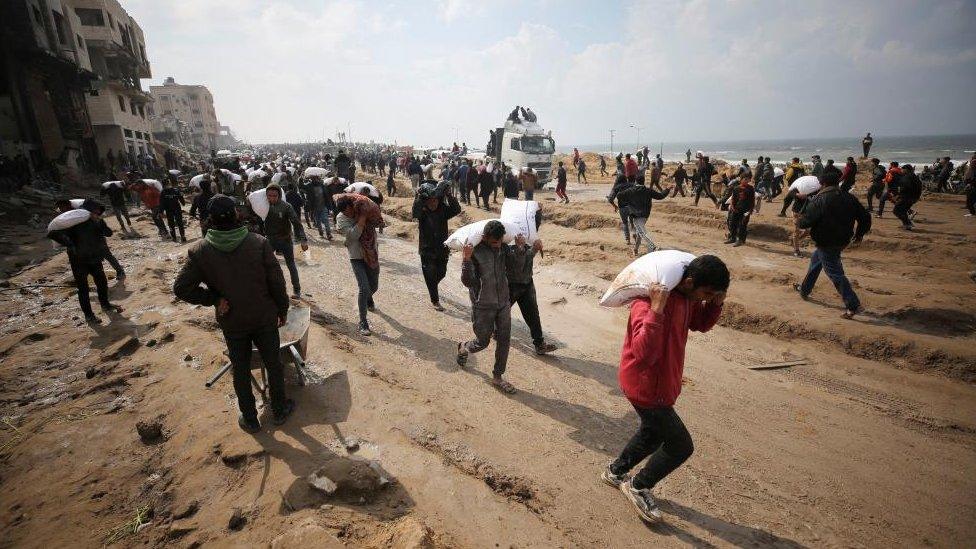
[(871, 443)]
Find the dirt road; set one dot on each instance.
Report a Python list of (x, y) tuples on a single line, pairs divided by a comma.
[(871, 443)]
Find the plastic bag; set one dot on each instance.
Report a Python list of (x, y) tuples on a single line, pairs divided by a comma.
[(68, 219), (473, 232), (521, 213), (665, 267)]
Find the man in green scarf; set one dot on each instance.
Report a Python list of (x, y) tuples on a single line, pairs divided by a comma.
[(244, 283)]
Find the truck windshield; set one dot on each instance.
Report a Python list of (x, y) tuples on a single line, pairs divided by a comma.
[(532, 144)]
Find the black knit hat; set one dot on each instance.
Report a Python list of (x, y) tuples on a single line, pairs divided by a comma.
[(222, 209)]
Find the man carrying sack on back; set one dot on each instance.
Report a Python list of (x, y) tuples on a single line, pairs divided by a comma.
[(245, 285)]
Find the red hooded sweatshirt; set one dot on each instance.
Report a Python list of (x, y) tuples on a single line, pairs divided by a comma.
[(653, 356)]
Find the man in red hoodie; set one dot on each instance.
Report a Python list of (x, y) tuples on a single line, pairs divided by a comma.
[(651, 365)]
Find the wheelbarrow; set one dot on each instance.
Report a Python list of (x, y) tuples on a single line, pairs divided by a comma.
[(293, 347)]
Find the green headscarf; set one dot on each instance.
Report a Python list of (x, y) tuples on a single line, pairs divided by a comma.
[(226, 241)]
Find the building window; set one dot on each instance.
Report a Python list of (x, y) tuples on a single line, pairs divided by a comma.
[(121, 103), (196, 111), (132, 107), (90, 17), (167, 111), (198, 124), (142, 112), (128, 133), (193, 96), (59, 27)]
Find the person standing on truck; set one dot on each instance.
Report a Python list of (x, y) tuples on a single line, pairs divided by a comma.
[(651, 367)]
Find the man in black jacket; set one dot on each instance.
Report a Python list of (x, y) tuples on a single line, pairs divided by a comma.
[(86, 247), (432, 208), (637, 200), (619, 185), (171, 201), (115, 190), (909, 192), (876, 189), (235, 271), (831, 216)]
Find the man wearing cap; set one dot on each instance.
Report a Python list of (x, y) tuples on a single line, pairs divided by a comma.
[(236, 272)]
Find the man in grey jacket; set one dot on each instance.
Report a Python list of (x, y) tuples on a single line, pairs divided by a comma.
[(484, 271), (521, 290), (278, 226)]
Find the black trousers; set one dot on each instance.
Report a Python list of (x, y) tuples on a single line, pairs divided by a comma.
[(971, 200), (738, 226), (174, 218), (524, 295), (662, 436), (874, 192), (80, 270), (121, 211), (434, 267), (901, 211), (679, 187), (114, 262), (239, 350), (705, 188), (787, 200)]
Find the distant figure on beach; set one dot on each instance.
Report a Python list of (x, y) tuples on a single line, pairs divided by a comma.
[(866, 144), (603, 166), (688, 156)]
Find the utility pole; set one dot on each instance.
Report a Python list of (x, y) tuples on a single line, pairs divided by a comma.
[(611, 141), (636, 127)]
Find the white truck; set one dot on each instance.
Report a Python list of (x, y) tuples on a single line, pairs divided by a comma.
[(521, 143)]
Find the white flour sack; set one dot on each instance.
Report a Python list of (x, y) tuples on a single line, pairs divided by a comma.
[(358, 187), (472, 233), (806, 184), (68, 219), (77, 202), (521, 213), (664, 267), (259, 202)]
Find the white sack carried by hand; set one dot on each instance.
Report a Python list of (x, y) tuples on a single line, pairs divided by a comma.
[(665, 267), (358, 187), (68, 219), (808, 184), (77, 202), (472, 233), (259, 202), (521, 213)]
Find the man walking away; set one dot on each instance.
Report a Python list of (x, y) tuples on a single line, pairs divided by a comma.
[(679, 176), (561, 184), (866, 144), (704, 183), (278, 225), (116, 197), (171, 201), (297, 201), (891, 180), (876, 189), (244, 284), (200, 206), (484, 271), (638, 199), (432, 208), (581, 172), (740, 211), (909, 193), (848, 174), (620, 185), (942, 177), (651, 368), (86, 248), (831, 217), (603, 166)]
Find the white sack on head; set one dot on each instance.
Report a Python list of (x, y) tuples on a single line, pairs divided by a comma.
[(259, 202), (358, 187), (256, 174), (315, 171), (77, 202), (68, 219), (196, 179), (232, 175), (665, 267), (521, 213), (276, 178), (174, 172), (778, 172), (807, 184), (473, 232), (108, 184), (154, 183)]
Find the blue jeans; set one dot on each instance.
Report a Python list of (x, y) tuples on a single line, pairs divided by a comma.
[(287, 250), (321, 220), (829, 262), (368, 281)]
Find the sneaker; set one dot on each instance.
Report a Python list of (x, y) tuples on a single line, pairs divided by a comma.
[(642, 501), (364, 330), (462, 355), (738, 243), (281, 415), (249, 425), (799, 290), (92, 319), (850, 313), (612, 479), (728, 241), (544, 348), (437, 306)]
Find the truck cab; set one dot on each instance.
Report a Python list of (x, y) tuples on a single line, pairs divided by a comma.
[(521, 144)]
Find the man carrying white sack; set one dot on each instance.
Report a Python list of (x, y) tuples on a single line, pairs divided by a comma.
[(651, 366), (521, 290), (484, 271)]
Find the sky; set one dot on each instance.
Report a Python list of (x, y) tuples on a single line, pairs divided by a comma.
[(422, 73)]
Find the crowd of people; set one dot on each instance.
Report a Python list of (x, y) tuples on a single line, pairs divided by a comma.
[(234, 267)]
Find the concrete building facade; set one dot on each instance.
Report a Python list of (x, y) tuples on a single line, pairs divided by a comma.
[(119, 108), (45, 76), (184, 114)]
